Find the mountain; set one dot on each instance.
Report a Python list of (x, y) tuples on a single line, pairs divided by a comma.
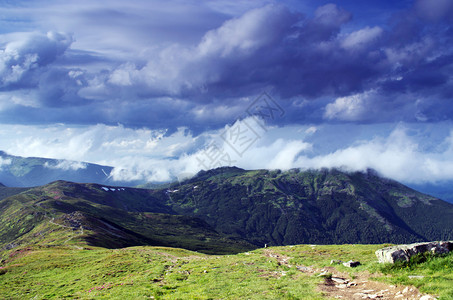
[(20, 171), (319, 207), (66, 213), (227, 210)]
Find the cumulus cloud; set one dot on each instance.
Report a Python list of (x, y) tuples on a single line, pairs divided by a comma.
[(31, 52), (349, 108)]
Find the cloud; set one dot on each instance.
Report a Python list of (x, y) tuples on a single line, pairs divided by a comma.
[(351, 108), (22, 57), (66, 165), (361, 38), (185, 64), (407, 152), (4, 162), (398, 156)]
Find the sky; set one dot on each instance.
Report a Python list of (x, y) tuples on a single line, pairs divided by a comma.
[(162, 89)]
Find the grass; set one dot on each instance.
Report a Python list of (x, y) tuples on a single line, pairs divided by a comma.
[(144, 272), (171, 273), (429, 273)]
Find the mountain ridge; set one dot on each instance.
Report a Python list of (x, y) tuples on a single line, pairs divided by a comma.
[(228, 210)]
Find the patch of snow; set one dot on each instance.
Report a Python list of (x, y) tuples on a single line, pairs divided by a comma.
[(105, 189)]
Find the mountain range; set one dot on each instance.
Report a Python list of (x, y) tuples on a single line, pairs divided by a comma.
[(17, 171), (225, 210)]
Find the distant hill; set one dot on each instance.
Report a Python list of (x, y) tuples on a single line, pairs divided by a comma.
[(8, 191), (35, 171), (227, 210)]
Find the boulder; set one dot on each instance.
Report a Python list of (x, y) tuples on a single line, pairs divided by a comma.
[(405, 252)]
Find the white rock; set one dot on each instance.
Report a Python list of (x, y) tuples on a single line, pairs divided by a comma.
[(339, 280)]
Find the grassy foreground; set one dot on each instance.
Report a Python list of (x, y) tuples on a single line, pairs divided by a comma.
[(169, 273)]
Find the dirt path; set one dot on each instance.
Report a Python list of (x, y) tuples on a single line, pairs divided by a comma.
[(73, 234), (342, 286)]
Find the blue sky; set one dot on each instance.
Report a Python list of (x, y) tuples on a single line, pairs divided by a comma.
[(163, 88)]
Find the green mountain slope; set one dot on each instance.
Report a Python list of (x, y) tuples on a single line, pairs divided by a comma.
[(216, 211), (64, 213), (327, 206)]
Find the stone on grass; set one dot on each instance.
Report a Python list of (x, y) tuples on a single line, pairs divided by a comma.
[(405, 252)]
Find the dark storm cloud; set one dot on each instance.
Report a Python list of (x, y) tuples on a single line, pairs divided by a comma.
[(320, 66), (22, 61)]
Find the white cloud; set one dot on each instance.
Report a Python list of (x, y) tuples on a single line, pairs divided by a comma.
[(66, 165), (243, 35), (361, 38), (398, 156), (350, 108), (409, 153), (4, 162)]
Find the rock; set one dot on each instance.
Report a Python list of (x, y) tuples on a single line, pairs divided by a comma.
[(339, 280), (351, 264), (404, 252), (341, 286), (406, 289), (360, 295)]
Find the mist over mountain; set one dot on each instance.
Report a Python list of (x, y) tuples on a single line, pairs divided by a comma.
[(17, 171)]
